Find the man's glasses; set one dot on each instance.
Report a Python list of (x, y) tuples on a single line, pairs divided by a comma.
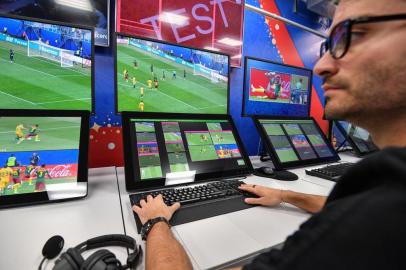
[(340, 37)]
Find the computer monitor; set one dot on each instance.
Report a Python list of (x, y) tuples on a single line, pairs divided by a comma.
[(153, 76), (274, 89), (92, 13), (359, 139), (45, 65), (163, 149), (43, 156), (295, 142)]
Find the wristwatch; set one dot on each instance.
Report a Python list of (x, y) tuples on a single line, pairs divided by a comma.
[(147, 227)]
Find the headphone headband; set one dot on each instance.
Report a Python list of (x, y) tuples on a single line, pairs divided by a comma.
[(108, 240)]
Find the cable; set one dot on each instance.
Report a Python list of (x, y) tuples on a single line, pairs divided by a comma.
[(40, 265)]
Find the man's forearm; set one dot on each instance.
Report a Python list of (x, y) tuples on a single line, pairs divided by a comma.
[(164, 251), (307, 202)]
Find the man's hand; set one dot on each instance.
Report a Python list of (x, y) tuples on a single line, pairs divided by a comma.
[(267, 196), (153, 208)]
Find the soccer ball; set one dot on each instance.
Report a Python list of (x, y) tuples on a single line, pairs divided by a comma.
[(29, 138)]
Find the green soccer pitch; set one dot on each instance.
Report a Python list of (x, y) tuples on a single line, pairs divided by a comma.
[(151, 172), (224, 137), (27, 188), (198, 138), (202, 152), (193, 94), (39, 83), (53, 134)]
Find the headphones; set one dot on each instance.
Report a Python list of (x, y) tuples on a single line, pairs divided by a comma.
[(102, 259)]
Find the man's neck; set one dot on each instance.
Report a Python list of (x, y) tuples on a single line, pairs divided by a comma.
[(386, 130)]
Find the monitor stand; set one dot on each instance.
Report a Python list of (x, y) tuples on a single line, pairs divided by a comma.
[(274, 173), (282, 175)]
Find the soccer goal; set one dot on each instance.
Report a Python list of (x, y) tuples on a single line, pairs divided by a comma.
[(39, 49), (208, 73)]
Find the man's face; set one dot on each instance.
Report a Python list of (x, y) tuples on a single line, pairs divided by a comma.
[(370, 79)]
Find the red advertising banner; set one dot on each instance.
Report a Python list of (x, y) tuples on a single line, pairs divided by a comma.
[(215, 25)]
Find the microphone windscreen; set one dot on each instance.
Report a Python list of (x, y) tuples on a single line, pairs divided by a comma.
[(53, 247)]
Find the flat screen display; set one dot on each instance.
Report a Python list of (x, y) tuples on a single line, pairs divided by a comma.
[(92, 13), (297, 142), (45, 66), (158, 77), (165, 147), (41, 159), (272, 89), (359, 138)]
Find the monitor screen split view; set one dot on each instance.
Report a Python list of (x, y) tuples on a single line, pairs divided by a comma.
[(45, 65), (153, 76)]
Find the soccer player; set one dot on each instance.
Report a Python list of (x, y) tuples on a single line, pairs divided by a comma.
[(19, 133), (149, 82), (141, 91), (27, 173), (174, 74), (126, 76), (11, 56), (33, 133), (125, 72), (16, 178), (163, 75), (156, 83), (41, 173), (141, 106), (5, 177), (184, 73), (152, 69), (34, 159), (134, 81), (135, 63), (221, 152)]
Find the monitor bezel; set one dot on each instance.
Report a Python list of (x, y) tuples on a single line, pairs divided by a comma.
[(292, 164), (92, 91), (167, 43), (350, 139), (82, 176), (244, 96), (135, 185)]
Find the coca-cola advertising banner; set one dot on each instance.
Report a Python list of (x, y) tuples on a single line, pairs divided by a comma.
[(209, 24), (60, 171)]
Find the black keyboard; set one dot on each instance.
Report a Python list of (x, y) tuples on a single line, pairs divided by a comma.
[(331, 172), (200, 201)]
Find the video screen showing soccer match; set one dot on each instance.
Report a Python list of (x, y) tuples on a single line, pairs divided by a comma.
[(38, 153), (44, 66), (276, 90), (188, 145), (158, 77), (295, 140)]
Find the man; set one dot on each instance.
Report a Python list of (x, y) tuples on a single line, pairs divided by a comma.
[(141, 105), (41, 172), (33, 132), (5, 177), (362, 223), (34, 159), (20, 133), (11, 161), (11, 56), (149, 82), (134, 81)]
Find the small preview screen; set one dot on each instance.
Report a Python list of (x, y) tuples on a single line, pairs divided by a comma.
[(163, 146), (360, 137), (273, 89), (44, 66), (296, 140), (38, 154), (189, 80)]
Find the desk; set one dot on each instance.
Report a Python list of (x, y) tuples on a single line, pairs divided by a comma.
[(25, 230)]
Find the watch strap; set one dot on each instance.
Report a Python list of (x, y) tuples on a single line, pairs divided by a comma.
[(147, 227)]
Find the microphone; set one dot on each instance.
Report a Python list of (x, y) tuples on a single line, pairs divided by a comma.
[(52, 248)]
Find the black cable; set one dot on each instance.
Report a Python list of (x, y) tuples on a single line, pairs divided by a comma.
[(40, 265)]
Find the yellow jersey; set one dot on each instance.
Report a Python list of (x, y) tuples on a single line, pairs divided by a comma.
[(149, 83), (19, 129), (5, 174), (141, 106)]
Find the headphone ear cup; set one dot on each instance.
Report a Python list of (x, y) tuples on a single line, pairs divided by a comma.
[(70, 260), (100, 260)]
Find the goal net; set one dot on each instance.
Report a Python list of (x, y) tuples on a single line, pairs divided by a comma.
[(39, 49)]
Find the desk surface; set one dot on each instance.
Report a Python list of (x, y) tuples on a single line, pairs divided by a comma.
[(220, 241), (25, 230)]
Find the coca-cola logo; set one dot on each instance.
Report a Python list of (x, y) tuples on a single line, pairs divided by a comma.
[(60, 171)]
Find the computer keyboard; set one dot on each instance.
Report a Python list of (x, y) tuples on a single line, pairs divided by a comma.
[(331, 172), (200, 201)]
